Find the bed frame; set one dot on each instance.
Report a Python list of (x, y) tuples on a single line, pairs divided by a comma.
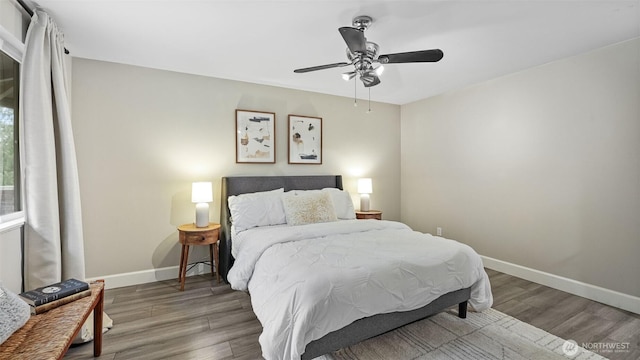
[(358, 330)]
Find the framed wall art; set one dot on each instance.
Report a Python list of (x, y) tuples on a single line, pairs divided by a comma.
[(255, 137), (305, 140)]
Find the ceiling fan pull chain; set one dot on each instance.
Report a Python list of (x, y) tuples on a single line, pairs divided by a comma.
[(368, 111), (355, 99)]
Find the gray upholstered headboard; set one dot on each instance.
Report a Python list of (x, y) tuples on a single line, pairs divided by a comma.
[(237, 185)]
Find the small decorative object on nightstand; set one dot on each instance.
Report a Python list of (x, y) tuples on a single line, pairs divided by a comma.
[(370, 214), (190, 234)]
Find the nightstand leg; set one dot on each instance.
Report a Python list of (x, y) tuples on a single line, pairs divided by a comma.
[(184, 260), (211, 257), (181, 263)]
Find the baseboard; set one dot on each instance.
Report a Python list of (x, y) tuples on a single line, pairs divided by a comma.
[(592, 292), (147, 276)]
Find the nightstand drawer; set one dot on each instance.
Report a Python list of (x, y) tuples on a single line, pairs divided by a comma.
[(199, 238), (371, 214)]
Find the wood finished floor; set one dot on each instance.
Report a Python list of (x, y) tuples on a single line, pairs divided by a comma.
[(211, 321)]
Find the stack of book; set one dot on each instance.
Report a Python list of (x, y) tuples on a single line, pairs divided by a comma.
[(51, 296)]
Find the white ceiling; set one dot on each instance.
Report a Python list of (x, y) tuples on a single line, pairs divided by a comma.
[(263, 41)]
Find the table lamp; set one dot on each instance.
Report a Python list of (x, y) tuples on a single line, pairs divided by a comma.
[(202, 195), (365, 187)]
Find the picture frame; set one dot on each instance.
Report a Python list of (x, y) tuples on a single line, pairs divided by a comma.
[(305, 140), (255, 137)]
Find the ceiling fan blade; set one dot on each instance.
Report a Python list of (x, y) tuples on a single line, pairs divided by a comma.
[(433, 55), (370, 79), (321, 67), (354, 38)]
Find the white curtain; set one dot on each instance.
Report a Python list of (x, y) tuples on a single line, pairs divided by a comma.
[(53, 245)]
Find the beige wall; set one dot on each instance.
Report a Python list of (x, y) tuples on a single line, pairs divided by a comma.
[(10, 260), (540, 168), (142, 136)]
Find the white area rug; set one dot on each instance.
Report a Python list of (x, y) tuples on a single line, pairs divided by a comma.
[(488, 335)]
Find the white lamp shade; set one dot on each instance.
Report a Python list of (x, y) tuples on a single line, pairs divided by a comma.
[(201, 192), (365, 186)]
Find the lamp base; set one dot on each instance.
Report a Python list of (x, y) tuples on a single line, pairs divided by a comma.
[(202, 215), (364, 202)]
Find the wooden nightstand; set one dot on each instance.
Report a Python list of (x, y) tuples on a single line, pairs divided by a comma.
[(371, 214), (189, 235)]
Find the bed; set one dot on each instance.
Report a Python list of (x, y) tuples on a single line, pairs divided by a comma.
[(353, 331)]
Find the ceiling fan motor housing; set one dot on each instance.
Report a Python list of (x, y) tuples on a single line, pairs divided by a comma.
[(364, 60)]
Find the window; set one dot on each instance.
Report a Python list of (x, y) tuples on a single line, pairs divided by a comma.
[(10, 204)]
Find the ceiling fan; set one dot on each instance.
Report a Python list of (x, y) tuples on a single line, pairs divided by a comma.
[(363, 55)]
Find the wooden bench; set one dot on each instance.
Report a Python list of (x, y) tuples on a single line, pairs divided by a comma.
[(48, 335)]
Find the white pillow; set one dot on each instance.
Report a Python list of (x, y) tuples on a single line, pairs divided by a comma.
[(342, 203), (257, 209), (308, 207)]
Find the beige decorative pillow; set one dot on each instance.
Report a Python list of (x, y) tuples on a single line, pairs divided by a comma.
[(308, 208)]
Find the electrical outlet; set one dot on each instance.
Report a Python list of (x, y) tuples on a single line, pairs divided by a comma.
[(439, 231)]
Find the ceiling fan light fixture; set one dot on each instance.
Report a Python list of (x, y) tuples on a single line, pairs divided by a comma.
[(369, 79), (372, 73), (348, 75)]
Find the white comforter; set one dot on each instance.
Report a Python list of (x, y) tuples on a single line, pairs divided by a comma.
[(307, 281)]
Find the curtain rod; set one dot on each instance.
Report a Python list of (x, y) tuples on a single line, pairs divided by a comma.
[(30, 12)]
